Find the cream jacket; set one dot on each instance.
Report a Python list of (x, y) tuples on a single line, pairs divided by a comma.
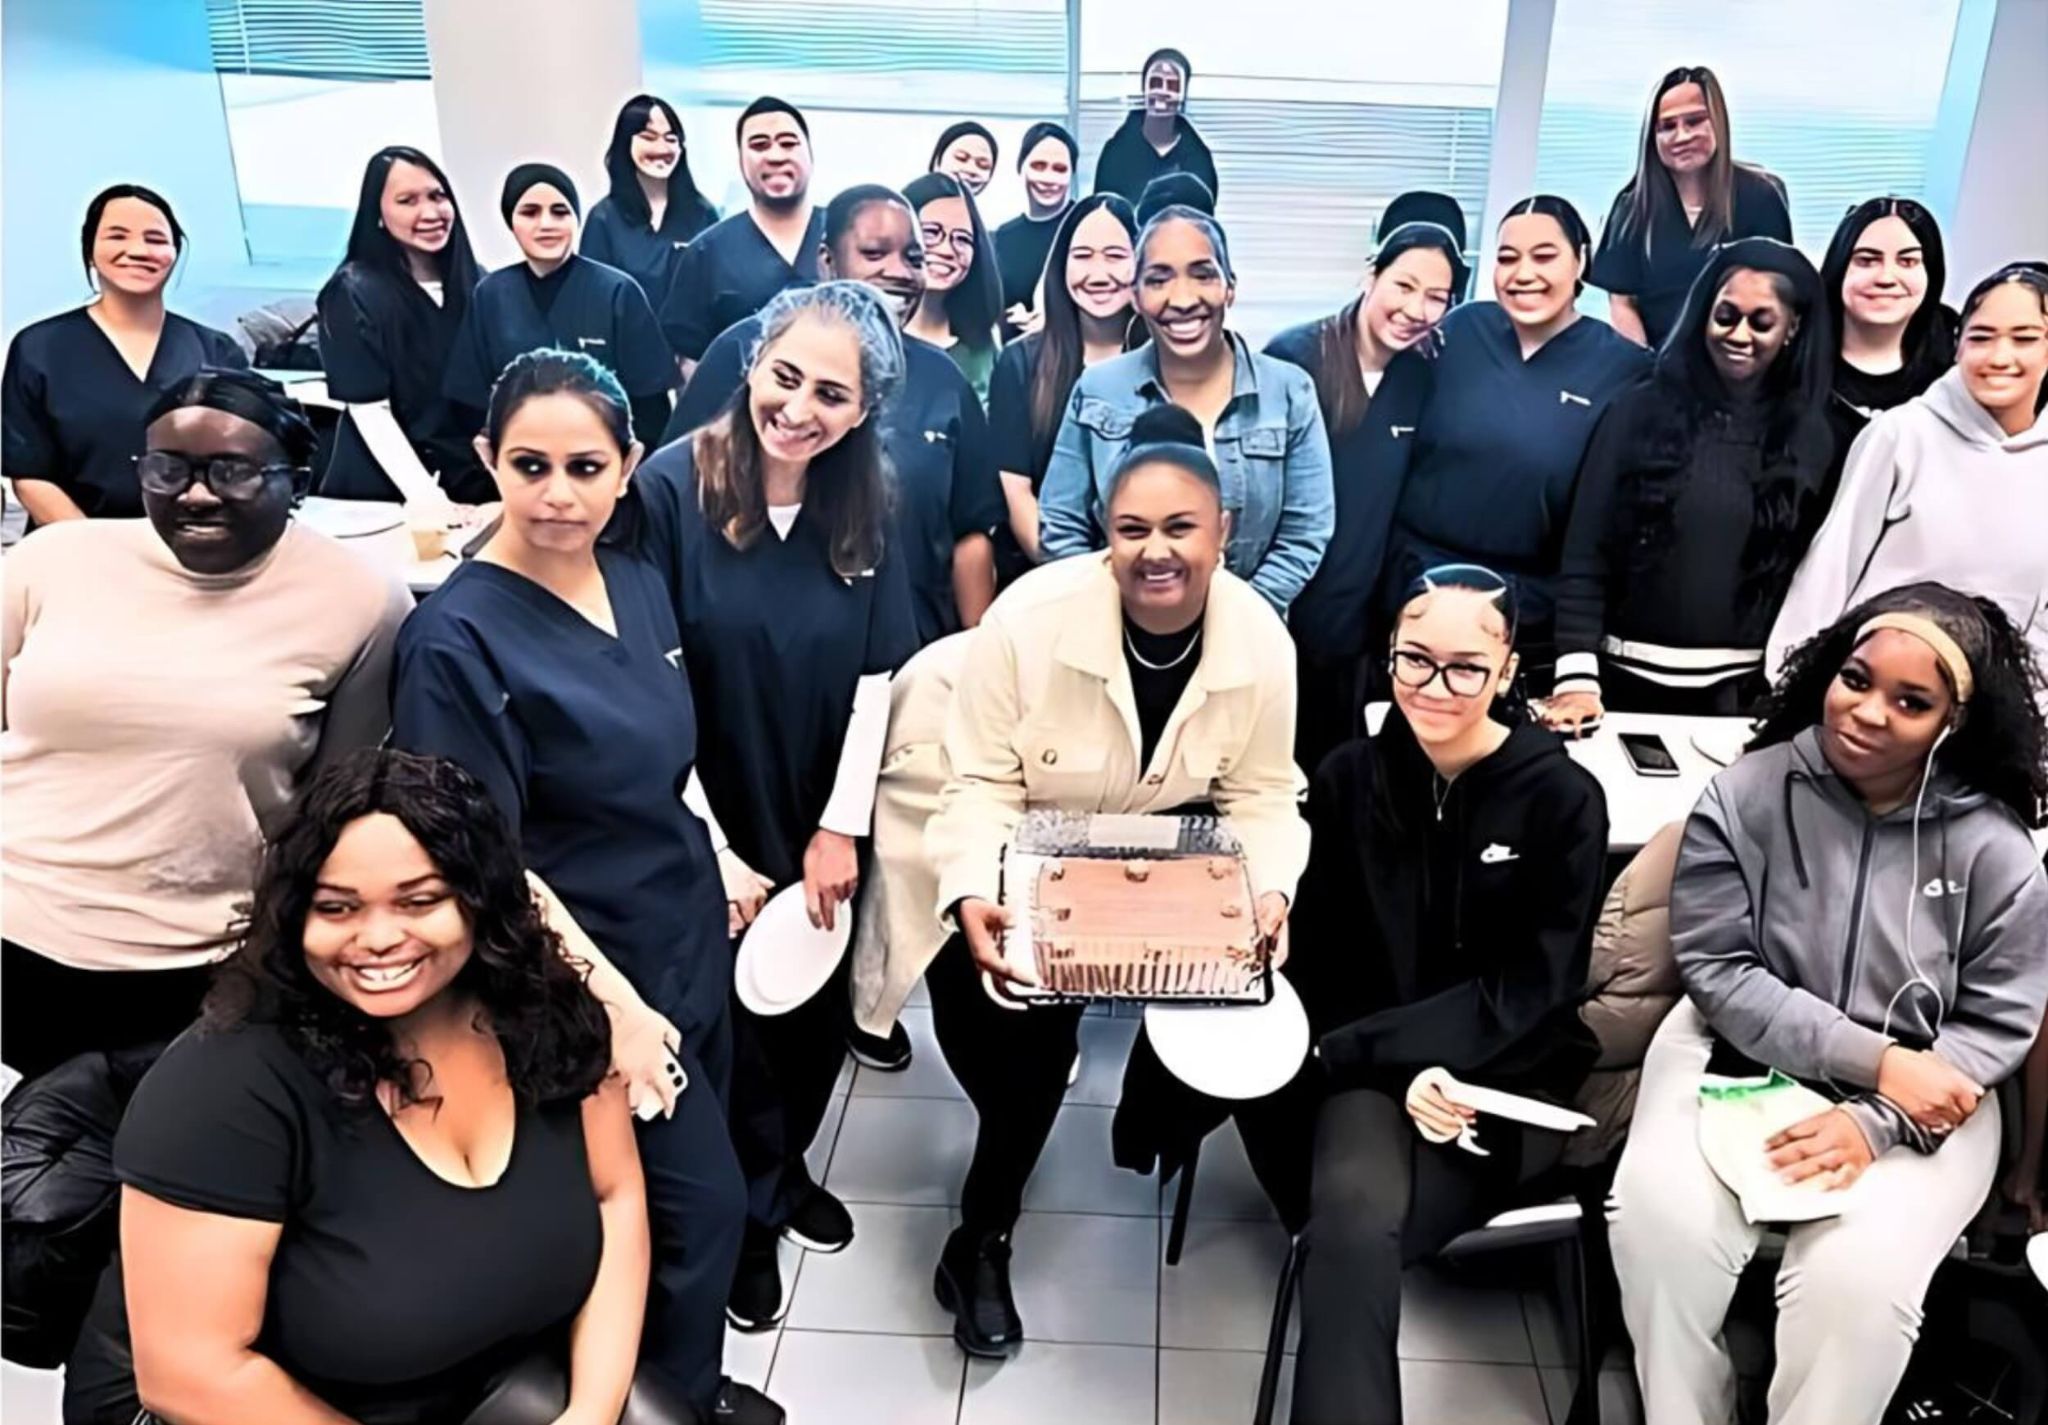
[(1043, 716)]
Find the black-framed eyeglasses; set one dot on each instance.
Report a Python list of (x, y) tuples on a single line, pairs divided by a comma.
[(959, 239), (231, 477), (1417, 670)]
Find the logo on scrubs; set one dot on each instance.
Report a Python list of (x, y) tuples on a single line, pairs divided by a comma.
[(584, 343), (675, 659), (1572, 398), (1399, 431)]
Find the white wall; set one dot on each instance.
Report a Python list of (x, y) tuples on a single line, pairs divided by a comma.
[(2001, 210), (520, 81)]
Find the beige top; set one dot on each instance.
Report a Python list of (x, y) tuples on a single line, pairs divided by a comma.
[(1043, 715), (156, 723)]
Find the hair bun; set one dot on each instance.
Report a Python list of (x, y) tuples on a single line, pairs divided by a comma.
[(1167, 424)]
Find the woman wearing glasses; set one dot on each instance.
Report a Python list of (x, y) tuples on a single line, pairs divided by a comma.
[(1443, 926), (147, 758), (963, 285)]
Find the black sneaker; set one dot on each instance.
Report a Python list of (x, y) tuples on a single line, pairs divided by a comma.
[(756, 1302), (973, 1282), (885, 1054), (820, 1223), (743, 1405)]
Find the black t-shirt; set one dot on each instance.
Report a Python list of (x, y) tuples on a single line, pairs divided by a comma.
[(1657, 274), (1022, 245), (394, 1294), (1160, 664)]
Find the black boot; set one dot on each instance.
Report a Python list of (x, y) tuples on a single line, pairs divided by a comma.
[(973, 1282)]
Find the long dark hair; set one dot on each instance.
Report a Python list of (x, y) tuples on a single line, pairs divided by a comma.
[(1683, 392), (1340, 389), (1998, 744), (1060, 356), (556, 1038), (687, 213), (974, 307), (371, 247), (847, 487), (1653, 187), (1928, 346)]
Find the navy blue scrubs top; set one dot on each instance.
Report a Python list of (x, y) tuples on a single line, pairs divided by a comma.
[(1659, 273), (729, 272), (939, 452), (585, 742), (71, 409), (1487, 472), (643, 252), (597, 310), (774, 641), (382, 338)]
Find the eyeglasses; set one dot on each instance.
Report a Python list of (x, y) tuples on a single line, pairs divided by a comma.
[(231, 477), (959, 239), (1412, 669)]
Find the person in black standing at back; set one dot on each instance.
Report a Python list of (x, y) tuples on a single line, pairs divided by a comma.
[(1688, 194), (732, 269), (1156, 138), (1046, 161), (966, 151), (388, 319), (1414, 279), (653, 210)]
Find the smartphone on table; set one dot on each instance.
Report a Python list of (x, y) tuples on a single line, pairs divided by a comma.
[(1649, 756)]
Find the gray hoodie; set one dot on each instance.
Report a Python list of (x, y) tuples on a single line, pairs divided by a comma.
[(1789, 917), (1934, 489)]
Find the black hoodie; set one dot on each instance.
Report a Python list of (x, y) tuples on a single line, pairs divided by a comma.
[(1129, 161), (1452, 934)]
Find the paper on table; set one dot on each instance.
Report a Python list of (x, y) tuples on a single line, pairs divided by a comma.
[(1737, 1117)]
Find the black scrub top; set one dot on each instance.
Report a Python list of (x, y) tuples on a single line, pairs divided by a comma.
[(939, 452), (645, 253), (1659, 278), (394, 1295), (729, 272), (71, 410), (585, 741), (382, 338), (1022, 245), (1128, 161), (1016, 449), (1487, 472), (595, 309), (774, 642)]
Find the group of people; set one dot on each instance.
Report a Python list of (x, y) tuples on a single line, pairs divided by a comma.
[(472, 1123)]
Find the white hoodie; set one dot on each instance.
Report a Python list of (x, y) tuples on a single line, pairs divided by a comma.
[(1933, 490)]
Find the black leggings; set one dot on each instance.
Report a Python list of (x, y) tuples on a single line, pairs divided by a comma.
[(51, 1012), (1383, 1198)]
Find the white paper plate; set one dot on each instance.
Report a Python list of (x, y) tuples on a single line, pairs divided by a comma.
[(1722, 745), (2037, 1258), (784, 959), (350, 519), (1232, 1051)]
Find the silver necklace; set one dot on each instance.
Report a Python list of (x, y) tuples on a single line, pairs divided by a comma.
[(1174, 662)]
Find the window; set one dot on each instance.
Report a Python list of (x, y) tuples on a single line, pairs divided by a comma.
[(1866, 129), (311, 90), (1318, 114)]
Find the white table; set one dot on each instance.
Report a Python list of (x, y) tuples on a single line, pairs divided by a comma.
[(376, 529)]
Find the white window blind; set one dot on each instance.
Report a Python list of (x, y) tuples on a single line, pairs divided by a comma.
[(319, 39)]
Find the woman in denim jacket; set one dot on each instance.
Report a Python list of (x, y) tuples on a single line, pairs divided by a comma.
[(1258, 413)]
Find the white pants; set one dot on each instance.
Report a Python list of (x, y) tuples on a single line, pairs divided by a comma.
[(1849, 1288)]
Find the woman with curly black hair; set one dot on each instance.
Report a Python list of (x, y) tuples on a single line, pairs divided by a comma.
[(1858, 907), (387, 1168), (1697, 495)]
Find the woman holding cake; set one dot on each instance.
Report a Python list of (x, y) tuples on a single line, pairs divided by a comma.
[(1144, 679)]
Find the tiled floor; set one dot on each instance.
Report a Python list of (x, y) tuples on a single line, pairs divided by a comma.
[(1115, 1337)]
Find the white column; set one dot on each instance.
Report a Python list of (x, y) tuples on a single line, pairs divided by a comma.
[(2001, 209), (1517, 119), (520, 81)]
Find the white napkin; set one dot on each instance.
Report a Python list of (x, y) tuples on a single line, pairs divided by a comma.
[(1737, 1117)]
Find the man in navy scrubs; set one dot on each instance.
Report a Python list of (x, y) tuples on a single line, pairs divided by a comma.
[(949, 500), (732, 269)]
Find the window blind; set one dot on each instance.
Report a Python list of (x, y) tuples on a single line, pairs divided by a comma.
[(360, 40)]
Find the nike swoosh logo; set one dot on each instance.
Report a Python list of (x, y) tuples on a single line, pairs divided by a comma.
[(1495, 854)]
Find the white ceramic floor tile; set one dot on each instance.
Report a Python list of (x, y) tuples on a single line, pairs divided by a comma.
[(1076, 1173), (1471, 1394), (1550, 1341), (1105, 1045), (903, 1150), (1085, 1385), (1220, 1297), (845, 1080), (30, 1397), (1084, 1279), (927, 1076), (749, 1358), (920, 997), (826, 1378), (818, 1157), (1620, 1402), (1224, 1185), (883, 1282), (1216, 1387), (1445, 1318)]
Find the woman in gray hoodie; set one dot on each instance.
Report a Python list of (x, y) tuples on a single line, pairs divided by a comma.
[(1859, 906)]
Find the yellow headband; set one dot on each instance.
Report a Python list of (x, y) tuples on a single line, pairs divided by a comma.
[(1935, 637)]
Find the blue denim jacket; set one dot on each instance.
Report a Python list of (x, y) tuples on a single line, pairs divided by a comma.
[(1270, 450)]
